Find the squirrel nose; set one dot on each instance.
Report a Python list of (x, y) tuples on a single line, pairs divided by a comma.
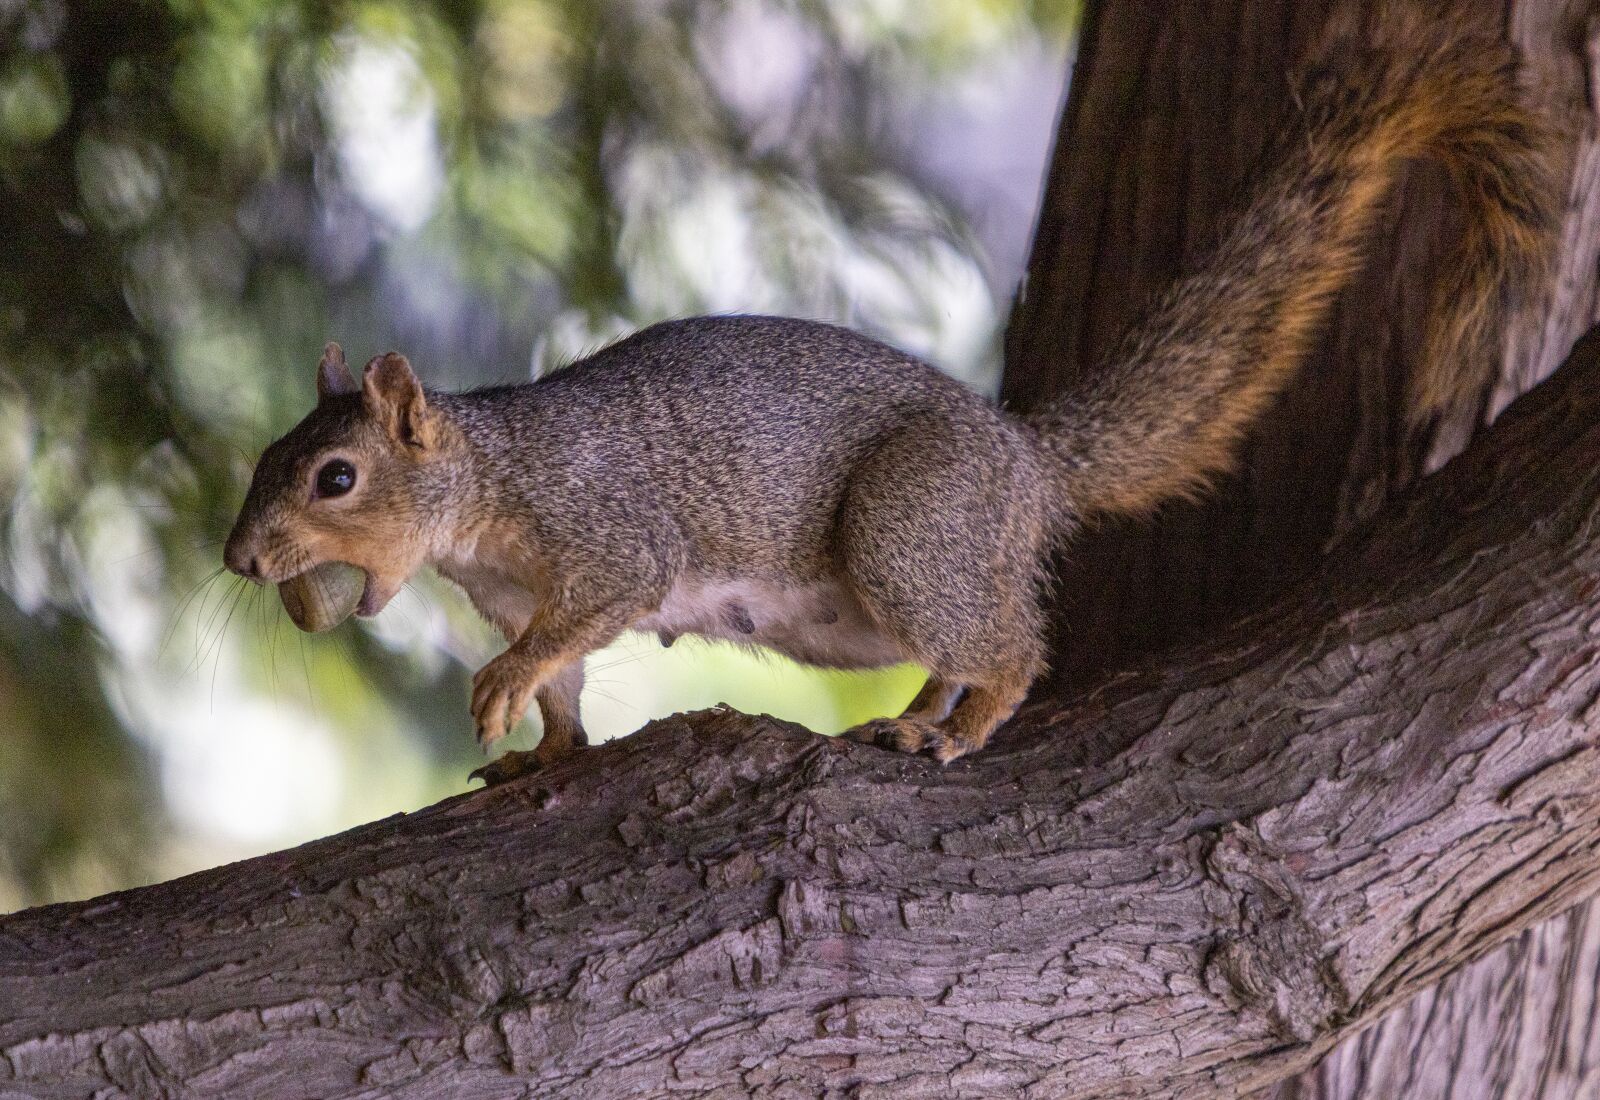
[(241, 560)]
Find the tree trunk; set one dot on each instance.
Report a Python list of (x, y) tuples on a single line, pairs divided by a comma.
[(1170, 104), (1188, 883)]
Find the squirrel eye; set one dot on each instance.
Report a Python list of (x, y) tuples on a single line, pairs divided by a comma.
[(336, 478)]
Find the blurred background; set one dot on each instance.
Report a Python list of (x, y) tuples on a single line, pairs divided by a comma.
[(196, 195)]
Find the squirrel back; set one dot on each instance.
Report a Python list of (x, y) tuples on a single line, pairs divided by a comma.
[(1165, 417)]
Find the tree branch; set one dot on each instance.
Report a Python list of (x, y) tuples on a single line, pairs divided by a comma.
[(1189, 883)]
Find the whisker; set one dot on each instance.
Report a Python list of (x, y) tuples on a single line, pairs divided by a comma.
[(177, 615), (409, 589), (349, 662), (623, 703), (618, 662), (163, 550), (203, 619), (222, 636), (269, 639), (305, 666), (204, 638)]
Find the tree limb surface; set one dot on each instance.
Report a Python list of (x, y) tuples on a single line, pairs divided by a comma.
[(1190, 882)]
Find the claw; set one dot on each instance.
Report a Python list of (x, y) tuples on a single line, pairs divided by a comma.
[(946, 748), (505, 768)]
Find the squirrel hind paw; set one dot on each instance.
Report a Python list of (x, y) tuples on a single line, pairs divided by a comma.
[(911, 735), (896, 734)]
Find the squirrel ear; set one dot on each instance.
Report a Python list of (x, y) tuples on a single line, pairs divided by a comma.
[(333, 377), (394, 397)]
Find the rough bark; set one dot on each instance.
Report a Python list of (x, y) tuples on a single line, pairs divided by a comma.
[(1191, 882), (1170, 105), (1520, 1024), (1188, 883)]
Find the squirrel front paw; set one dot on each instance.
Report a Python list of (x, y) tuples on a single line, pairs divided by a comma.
[(506, 768), (501, 692), (514, 764)]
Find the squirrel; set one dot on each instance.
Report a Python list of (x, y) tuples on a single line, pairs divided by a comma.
[(802, 487)]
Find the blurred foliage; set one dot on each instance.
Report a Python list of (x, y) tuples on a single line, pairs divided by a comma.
[(195, 194)]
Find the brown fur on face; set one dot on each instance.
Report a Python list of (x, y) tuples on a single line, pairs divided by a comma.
[(403, 455)]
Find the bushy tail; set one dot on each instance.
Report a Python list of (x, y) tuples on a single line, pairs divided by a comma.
[(1167, 415)]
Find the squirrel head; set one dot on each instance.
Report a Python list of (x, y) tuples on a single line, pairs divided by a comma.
[(357, 481)]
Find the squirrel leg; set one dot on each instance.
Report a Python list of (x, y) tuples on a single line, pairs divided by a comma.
[(563, 731), (559, 636), (946, 561), (935, 701), (558, 706), (980, 711), (982, 707)]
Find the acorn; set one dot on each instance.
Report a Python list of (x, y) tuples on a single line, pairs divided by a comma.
[(321, 598)]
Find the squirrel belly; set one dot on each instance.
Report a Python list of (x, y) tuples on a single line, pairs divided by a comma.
[(820, 623), (806, 488)]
